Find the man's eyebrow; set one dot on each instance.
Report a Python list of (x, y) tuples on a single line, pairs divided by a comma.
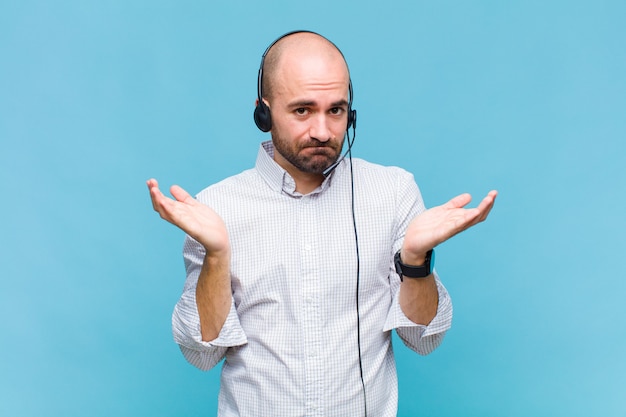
[(342, 102), (303, 103), (311, 103)]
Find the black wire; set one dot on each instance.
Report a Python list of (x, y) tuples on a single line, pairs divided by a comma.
[(356, 240)]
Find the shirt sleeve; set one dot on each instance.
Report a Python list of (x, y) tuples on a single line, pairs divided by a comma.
[(420, 338), (186, 320)]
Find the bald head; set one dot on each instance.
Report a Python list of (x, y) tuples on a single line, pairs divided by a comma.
[(301, 48)]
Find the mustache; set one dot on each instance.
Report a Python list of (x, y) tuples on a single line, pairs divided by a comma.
[(314, 143)]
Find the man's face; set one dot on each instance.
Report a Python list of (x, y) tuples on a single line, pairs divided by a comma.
[(309, 113)]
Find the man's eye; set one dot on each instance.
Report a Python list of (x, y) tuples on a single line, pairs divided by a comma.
[(336, 110), (301, 111)]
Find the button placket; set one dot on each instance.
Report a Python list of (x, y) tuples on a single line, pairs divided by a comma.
[(311, 308)]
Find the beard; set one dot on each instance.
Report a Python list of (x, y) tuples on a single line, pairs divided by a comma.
[(312, 157)]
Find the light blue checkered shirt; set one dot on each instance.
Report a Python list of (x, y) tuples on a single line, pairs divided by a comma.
[(290, 340)]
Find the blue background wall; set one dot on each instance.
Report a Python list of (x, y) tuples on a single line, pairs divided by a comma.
[(527, 97)]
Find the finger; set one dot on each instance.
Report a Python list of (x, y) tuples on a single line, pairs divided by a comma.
[(459, 201), (181, 195), (486, 205), (478, 214), (161, 203), (152, 183), (155, 194)]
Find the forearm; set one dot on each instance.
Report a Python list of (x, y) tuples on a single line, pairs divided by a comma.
[(213, 294), (419, 297), (187, 334), (423, 339)]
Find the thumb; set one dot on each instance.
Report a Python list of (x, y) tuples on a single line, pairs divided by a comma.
[(459, 201), (180, 194)]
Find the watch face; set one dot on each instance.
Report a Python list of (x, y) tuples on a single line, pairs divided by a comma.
[(431, 263), (398, 264)]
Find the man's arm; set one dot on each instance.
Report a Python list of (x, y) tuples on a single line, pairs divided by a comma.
[(419, 297), (213, 294), (213, 290)]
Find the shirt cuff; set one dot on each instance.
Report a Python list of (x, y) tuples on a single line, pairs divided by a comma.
[(442, 321), (186, 326)]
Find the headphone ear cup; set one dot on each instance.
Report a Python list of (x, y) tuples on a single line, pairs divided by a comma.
[(351, 119), (262, 117)]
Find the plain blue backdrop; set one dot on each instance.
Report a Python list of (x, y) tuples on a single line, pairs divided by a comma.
[(528, 97)]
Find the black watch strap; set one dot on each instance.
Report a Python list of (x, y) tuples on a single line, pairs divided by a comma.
[(420, 271)]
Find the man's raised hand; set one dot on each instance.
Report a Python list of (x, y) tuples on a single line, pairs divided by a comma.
[(438, 224), (194, 218)]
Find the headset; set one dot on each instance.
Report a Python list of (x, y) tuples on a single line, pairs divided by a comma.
[(263, 120)]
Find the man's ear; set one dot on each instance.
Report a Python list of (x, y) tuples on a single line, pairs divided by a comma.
[(267, 104)]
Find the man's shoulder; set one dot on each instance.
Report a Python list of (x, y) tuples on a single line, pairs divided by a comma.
[(381, 172), (229, 185)]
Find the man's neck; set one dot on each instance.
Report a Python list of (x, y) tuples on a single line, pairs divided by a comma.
[(305, 182)]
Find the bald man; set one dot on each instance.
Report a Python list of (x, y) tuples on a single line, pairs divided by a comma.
[(297, 276)]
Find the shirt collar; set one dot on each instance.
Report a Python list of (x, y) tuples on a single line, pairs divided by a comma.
[(278, 179)]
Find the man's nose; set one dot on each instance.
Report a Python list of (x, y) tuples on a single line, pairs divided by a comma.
[(319, 128)]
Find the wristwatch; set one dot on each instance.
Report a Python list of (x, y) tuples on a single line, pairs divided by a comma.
[(420, 271)]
